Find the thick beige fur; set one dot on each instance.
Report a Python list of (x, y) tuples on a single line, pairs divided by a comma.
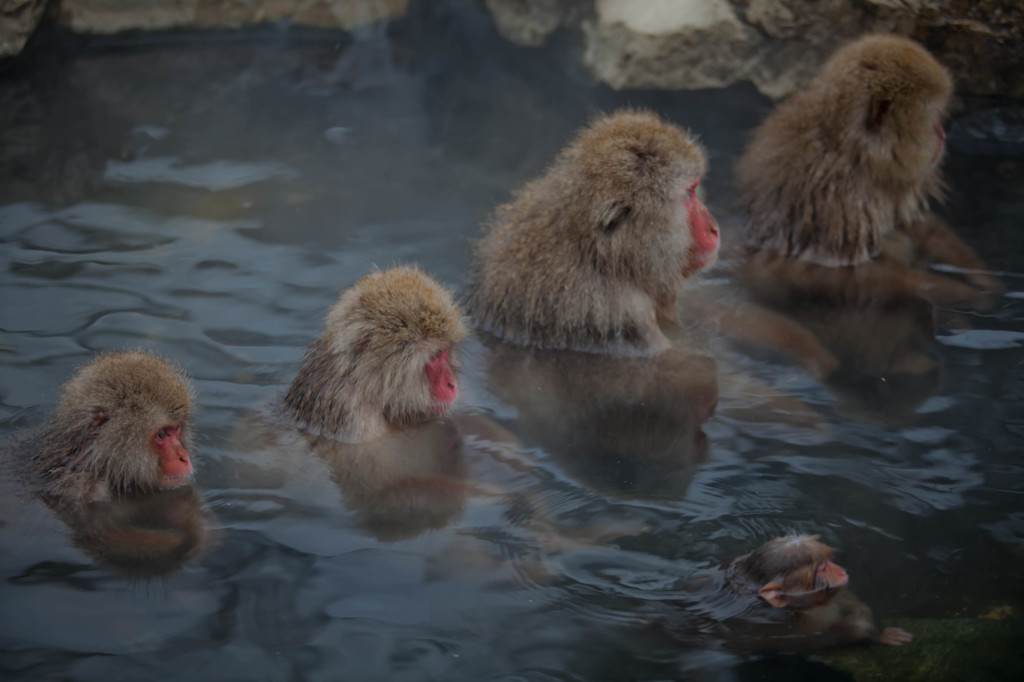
[(847, 161), (97, 443), (590, 255), (365, 374)]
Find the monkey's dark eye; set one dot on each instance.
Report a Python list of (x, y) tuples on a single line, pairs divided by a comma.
[(161, 434)]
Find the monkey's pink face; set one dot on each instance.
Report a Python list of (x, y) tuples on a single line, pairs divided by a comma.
[(441, 378), (830, 576), (175, 465), (703, 228)]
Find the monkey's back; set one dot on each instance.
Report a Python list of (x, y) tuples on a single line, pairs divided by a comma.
[(583, 257), (820, 183), (531, 285)]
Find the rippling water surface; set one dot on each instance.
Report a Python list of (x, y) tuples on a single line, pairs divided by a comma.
[(208, 198)]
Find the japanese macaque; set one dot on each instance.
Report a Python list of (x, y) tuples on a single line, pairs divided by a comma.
[(121, 427), (591, 255), (370, 400), (387, 359), (785, 596), (841, 174)]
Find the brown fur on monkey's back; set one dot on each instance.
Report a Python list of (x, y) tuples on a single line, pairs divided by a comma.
[(584, 257), (818, 182)]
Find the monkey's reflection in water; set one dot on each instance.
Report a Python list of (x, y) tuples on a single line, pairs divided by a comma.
[(883, 337), (888, 361), (462, 474), (403, 483), (140, 537), (423, 478), (624, 426)]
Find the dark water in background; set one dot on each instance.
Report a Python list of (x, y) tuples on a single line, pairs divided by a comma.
[(208, 196)]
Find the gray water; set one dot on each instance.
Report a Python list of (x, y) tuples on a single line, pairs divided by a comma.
[(207, 196)]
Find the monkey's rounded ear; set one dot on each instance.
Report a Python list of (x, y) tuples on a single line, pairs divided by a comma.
[(878, 110), (774, 595), (616, 211), (100, 416)]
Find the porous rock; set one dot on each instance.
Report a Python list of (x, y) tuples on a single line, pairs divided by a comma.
[(113, 16)]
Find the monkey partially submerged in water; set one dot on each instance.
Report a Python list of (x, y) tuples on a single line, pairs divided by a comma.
[(592, 255), (121, 427), (372, 401), (842, 173), (387, 359), (112, 462), (787, 596)]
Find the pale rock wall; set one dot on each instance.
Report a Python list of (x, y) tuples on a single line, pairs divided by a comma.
[(776, 44), (667, 44)]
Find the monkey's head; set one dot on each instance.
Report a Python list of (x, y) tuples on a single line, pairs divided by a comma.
[(640, 177), (394, 335), (795, 572), (886, 98), (121, 426)]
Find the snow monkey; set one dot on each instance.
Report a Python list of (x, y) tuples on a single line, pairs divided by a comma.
[(591, 255), (386, 359), (121, 426), (787, 596), (842, 172)]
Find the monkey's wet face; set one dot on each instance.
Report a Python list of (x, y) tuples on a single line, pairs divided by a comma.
[(703, 228), (386, 359), (175, 465), (797, 595), (830, 575), (443, 389)]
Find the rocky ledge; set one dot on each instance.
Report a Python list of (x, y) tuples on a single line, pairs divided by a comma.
[(661, 44)]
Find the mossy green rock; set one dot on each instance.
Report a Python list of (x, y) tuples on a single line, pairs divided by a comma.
[(950, 649)]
